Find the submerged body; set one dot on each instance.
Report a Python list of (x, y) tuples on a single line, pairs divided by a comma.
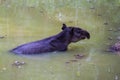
[(57, 42), (40, 46)]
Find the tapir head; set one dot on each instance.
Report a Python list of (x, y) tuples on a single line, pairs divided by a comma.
[(76, 33)]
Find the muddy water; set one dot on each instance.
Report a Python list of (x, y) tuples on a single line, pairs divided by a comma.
[(29, 22)]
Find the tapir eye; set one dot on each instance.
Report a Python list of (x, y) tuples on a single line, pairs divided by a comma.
[(78, 31)]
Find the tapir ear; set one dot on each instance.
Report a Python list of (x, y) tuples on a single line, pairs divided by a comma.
[(64, 26)]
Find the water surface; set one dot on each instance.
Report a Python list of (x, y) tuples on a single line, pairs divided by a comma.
[(26, 21)]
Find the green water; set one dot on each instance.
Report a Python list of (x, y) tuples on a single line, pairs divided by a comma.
[(23, 21)]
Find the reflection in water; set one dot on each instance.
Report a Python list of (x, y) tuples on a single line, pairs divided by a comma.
[(23, 21), (89, 58)]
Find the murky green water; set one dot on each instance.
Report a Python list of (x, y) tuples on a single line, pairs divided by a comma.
[(23, 21)]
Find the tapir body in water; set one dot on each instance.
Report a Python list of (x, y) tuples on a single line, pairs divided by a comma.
[(57, 42)]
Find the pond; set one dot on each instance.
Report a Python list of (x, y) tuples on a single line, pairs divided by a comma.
[(23, 21)]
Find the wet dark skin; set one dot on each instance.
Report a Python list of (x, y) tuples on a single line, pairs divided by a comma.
[(57, 42)]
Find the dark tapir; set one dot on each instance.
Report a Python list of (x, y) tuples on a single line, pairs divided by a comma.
[(57, 42)]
